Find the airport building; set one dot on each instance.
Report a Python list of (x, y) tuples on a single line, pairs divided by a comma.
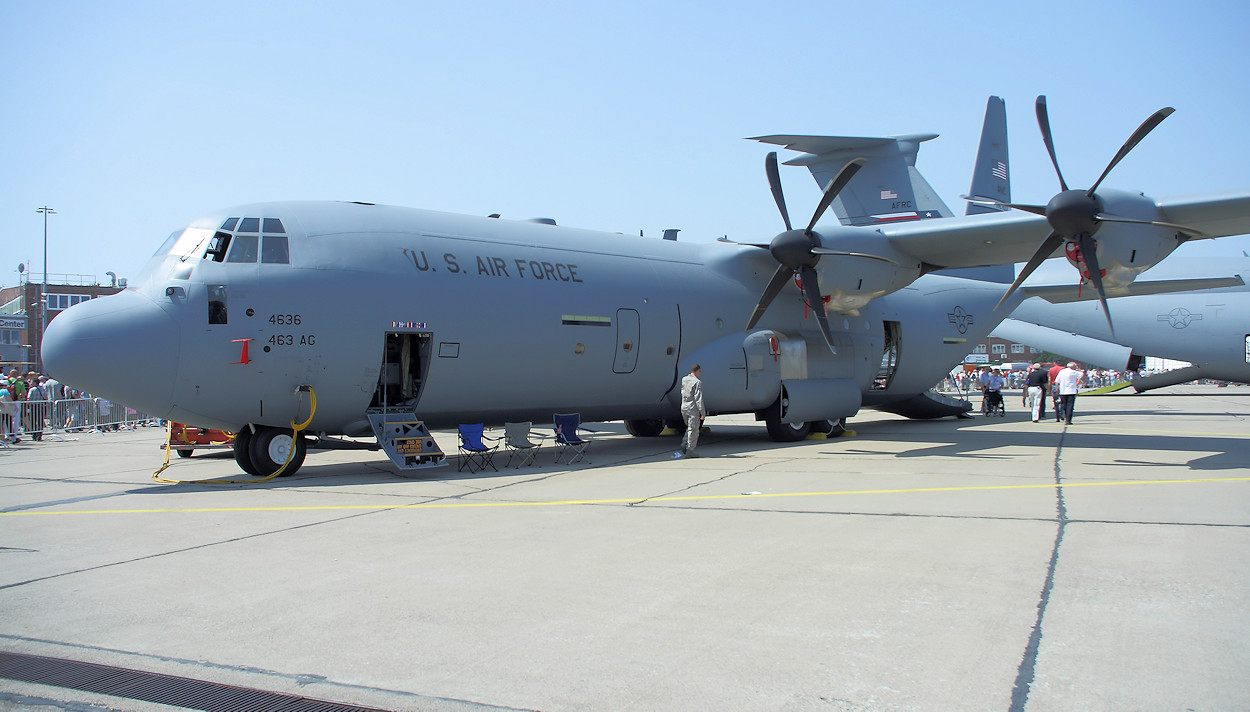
[(995, 350), (21, 313)]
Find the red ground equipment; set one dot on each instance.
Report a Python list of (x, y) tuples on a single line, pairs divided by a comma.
[(186, 439)]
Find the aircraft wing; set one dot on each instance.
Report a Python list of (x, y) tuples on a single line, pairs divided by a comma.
[(1218, 215), (1083, 348), (1063, 293), (1169, 378), (1003, 238), (972, 240)]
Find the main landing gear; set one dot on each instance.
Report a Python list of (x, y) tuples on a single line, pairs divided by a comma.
[(777, 430), (644, 428)]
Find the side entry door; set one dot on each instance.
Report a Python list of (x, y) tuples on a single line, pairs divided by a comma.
[(627, 329)]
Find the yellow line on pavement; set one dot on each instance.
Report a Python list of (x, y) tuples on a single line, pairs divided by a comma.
[(460, 504)]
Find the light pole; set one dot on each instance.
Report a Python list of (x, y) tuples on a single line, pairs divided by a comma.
[(43, 324)]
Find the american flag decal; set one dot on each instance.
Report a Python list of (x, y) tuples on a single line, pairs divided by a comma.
[(999, 170), (888, 195)]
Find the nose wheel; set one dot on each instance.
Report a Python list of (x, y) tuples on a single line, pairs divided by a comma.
[(261, 453), (242, 445)]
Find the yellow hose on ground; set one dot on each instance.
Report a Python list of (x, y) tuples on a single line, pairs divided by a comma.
[(295, 434)]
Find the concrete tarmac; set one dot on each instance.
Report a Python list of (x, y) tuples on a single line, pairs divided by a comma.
[(983, 564)]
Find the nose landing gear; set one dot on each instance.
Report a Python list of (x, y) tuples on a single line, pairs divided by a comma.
[(262, 452)]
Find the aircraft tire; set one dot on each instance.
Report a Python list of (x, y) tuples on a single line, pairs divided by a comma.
[(268, 451), (786, 432), (184, 452), (783, 432), (832, 428), (645, 428), (242, 451), (821, 426)]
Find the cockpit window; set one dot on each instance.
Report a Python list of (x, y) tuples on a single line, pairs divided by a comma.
[(168, 244), (274, 249), (243, 248), (244, 244), (217, 247)]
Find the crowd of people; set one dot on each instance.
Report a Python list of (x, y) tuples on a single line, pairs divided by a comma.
[(1039, 382), (77, 408), (1015, 379)]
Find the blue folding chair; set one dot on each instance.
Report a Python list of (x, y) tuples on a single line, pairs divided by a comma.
[(474, 452), (567, 439)]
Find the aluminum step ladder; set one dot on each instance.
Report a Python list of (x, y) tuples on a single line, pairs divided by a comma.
[(405, 439)]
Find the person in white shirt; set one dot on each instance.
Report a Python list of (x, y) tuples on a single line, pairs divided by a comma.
[(1068, 381)]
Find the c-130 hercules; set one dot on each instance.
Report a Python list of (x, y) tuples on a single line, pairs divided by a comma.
[(466, 319)]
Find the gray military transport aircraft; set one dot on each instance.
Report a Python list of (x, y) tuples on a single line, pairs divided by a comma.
[(1210, 329), (239, 321)]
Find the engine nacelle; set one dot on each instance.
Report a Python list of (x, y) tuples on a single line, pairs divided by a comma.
[(857, 266), (1126, 250)]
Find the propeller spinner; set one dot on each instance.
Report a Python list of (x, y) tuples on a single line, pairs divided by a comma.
[(798, 251), (1075, 215)]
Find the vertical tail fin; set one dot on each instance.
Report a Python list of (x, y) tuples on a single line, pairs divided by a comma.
[(990, 179), (990, 175)]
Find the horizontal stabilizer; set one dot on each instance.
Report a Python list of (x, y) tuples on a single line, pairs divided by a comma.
[(1063, 293), (821, 145), (887, 189)]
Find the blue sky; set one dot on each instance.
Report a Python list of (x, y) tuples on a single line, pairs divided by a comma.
[(133, 118)]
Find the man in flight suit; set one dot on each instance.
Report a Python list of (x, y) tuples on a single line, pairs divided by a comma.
[(692, 411)]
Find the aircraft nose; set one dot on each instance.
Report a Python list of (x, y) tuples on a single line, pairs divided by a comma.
[(122, 347)]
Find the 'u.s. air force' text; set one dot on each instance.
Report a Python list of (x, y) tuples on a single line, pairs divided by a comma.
[(490, 266)]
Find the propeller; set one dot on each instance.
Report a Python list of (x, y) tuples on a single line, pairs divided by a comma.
[(1075, 215), (798, 251)]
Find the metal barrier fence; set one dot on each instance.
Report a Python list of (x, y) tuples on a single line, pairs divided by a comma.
[(36, 419)]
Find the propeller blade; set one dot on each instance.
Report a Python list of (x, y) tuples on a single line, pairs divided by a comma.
[(844, 253), (774, 182), (1089, 254), (990, 202), (1043, 122), (1146, 127), (727, 241), (1034, 262), (811, 288), (780, 277), (1191, 232), (1035, 209), (839, 182)]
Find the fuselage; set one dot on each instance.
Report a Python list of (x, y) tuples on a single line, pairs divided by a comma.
[(475, 319)]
